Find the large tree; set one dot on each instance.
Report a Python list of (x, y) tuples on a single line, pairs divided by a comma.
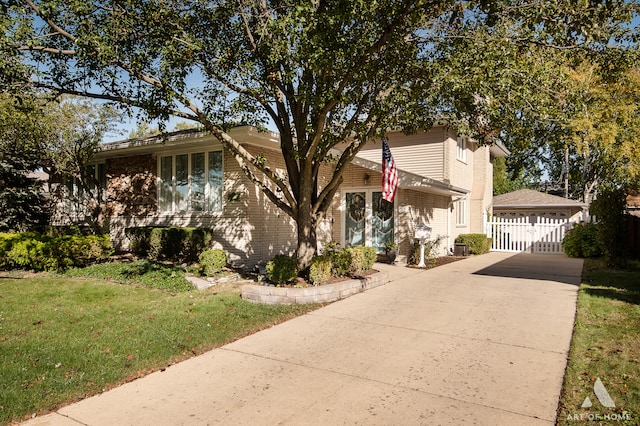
[(76, 127), (58, 137), (604, 130), (321, 72), (22, 197)]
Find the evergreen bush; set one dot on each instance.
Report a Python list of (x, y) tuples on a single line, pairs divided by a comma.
[(582, 240), (478, 243), (282, 269), (169, 243), (320, 270), (39, 252), (212, 261), (340, 261), (370, 257)]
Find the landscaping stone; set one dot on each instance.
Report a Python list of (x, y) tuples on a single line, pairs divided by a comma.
[(320, 294)]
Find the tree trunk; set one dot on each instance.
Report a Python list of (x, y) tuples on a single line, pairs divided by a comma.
[(307, 238)]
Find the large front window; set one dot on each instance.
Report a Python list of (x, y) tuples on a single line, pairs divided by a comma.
[(191, 182)]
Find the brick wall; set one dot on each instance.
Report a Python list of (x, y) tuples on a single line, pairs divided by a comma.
[(131, 188)]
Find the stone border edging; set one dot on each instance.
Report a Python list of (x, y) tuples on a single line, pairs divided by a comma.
[(325, 293)]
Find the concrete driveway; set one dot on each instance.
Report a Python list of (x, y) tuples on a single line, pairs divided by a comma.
[(479, 341)]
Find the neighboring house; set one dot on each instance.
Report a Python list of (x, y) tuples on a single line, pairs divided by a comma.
[(633, 203), (535, 204), (186, 178)]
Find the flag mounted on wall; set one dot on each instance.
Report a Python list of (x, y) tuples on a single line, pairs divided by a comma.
[(389, 173)]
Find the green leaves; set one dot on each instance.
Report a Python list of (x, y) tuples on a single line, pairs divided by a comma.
[(325, 72)]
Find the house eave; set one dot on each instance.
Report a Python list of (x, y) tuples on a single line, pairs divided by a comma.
[(243, 135), (497, 149), (540, 206)]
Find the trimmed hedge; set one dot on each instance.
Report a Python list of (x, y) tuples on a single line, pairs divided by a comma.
[(361, 258), (38, 252), (212, 261), (478, 243), (320, 270), (173, 243), (282, 269), (339, 262)]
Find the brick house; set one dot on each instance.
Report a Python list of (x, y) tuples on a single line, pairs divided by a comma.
[(187, 179)]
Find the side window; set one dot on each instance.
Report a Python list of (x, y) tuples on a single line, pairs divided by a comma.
[(461, 213), (461, 151)]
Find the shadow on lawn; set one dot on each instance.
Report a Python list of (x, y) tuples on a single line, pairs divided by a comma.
[(614, 284)]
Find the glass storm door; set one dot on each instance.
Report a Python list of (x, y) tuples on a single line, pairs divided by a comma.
[(355, 219), (369, 220), (382, 221)]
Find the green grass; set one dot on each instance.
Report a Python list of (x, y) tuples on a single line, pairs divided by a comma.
[(63, 339), (605, 345), (139, 272)]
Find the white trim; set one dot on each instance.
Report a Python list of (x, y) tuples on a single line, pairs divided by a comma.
[(461, 210), (461, 149), (188, 152)]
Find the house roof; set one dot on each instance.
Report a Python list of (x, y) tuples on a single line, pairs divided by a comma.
[(633, 199), (528, 198), (243, 134)]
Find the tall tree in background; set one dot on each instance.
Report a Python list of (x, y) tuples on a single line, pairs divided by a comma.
[(321, 72), (77, 126), (23, 203), (58, 138), (605, 130)]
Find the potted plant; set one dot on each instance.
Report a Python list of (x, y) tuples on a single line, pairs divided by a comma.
[(391, 250)]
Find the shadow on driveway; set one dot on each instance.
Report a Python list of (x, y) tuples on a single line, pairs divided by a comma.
[(548, 267)]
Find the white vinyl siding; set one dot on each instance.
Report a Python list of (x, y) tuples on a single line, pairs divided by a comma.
[(421, 153)]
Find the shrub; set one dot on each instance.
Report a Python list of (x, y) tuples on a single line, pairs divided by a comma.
[(361, 258), (370, 257), (340, 261), (38, 252), (212, 261), (478, 243), (282, 269), (173, 244), (582, 240), (357, 259), (320, 270)]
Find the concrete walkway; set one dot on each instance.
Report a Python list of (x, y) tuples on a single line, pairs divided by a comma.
[(479, 341)]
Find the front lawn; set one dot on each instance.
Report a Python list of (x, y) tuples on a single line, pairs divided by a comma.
[(63, 339), (605, 346)]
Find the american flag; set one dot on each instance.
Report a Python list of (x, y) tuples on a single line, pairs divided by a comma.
[(389, 174)]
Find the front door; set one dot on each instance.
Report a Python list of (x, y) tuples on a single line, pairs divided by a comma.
[(355, 219), (368, 219)]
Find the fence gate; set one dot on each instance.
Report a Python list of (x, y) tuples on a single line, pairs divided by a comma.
[(536, 235)]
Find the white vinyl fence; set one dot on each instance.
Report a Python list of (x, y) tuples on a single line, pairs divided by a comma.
[(522, 234)]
